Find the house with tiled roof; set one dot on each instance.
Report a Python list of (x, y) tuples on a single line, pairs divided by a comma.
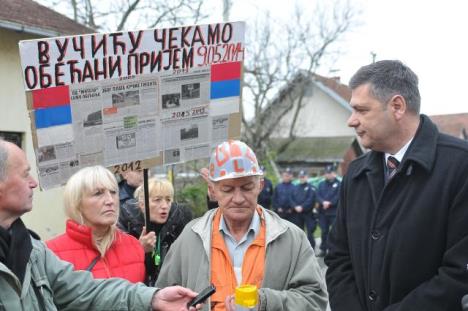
[(29, 17), (23, 20), (453, 124), (322, 134)]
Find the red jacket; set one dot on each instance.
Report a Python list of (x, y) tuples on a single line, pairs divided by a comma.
[(125, 258)]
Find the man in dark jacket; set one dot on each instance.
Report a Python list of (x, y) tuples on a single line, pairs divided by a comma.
[(328, 193), (130, 180), (303, 200), (400, 239), (282, 203), (265, 196)]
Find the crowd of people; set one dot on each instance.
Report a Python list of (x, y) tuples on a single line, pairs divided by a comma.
[(393, 230), (32, 277), (305, 204)]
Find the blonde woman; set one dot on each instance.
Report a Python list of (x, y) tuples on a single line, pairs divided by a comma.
[(167, 221), (92, 240)]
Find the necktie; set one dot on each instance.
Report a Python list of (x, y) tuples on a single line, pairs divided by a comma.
[(392, 165)]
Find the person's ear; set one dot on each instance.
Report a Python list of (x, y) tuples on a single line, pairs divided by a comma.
[(397, 106), (262, 184), (211, 191)]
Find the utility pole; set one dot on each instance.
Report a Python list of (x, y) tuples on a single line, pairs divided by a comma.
[(374, 56)]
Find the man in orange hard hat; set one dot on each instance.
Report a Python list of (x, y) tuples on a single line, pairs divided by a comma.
[(240, 242)]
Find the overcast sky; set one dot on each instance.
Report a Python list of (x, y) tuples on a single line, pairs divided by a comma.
[(429, 36)]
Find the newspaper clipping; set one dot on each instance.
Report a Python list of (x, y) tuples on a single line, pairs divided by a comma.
[(121, 98)]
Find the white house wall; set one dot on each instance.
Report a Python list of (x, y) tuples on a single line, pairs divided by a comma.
[(321, 116), (47, 217)]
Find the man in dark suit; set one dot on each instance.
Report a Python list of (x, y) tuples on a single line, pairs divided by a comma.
[(400, 239)]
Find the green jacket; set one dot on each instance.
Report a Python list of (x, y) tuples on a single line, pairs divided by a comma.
[(292, 278), (51, 284)]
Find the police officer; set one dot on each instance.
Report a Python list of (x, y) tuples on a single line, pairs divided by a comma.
[(327, 197), (303, 200), (282, 203), (264, 198)]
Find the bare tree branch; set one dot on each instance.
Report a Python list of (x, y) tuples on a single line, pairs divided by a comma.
[(118, 15), (277, 71), (282, 55), (75, 9), (131, 8)]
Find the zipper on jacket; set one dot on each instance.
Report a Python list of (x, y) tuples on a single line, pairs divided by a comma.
[(106, 267)]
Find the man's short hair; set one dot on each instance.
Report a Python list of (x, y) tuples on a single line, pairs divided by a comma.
[(388, 78), (3, 160)]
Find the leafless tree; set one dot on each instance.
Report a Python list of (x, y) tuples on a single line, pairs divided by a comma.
[(279, 61), (119, 15), (278, 54)]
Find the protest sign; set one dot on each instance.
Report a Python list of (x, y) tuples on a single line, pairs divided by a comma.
[(132, 100)]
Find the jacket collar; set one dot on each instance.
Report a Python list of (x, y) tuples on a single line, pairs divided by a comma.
[(273, 224), (80, 233), (421, 151), (22, 289)]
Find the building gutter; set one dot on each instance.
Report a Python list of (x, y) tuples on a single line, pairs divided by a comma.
[(28, 29)]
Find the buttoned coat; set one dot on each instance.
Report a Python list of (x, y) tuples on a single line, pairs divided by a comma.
[(403, 245)]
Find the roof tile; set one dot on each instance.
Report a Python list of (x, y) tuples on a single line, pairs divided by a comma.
[(452, 124)]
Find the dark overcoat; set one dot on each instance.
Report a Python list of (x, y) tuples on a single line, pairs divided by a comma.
[(403, 245)]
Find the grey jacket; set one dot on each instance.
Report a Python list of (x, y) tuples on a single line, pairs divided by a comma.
[(292, 279), (51, 284)]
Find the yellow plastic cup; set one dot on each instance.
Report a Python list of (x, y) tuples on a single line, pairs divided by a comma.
[(246, 296)]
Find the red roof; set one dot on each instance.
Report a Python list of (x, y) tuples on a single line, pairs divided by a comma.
[(452, 124), (336, 86), (36, 18)]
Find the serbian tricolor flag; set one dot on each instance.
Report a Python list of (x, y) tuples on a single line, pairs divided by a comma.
[(225, 88), (51, 106), (225, 80)]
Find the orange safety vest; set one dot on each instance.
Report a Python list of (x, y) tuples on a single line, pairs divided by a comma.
[(222, 272)]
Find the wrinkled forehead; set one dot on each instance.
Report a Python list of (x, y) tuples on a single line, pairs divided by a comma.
[(16, 159), (363, 96), (134, 174), (238, 182)]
